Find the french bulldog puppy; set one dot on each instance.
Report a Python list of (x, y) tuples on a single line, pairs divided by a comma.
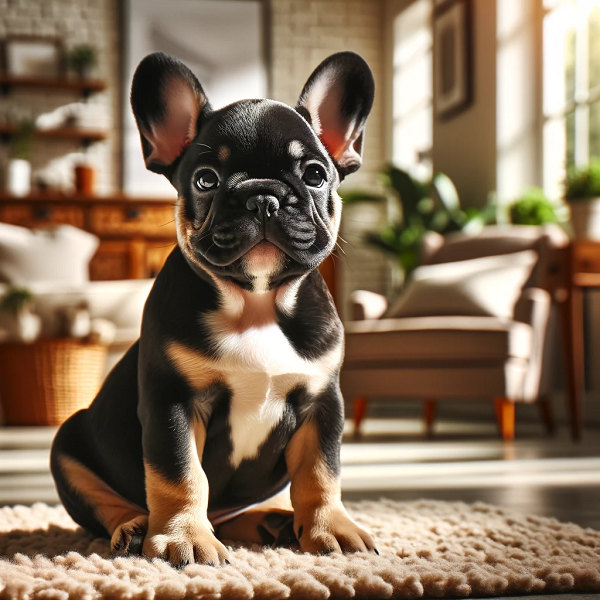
[(224, 420)]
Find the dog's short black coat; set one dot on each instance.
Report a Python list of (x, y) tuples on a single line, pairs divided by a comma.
[(232, 390)]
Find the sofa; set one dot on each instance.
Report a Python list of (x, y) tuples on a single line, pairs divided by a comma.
[(53, 264)]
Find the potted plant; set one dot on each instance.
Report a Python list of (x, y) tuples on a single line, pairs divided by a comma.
[(25, 326), (535, 208), (83, 59), (18, 174), (582, 192), (424, 206)]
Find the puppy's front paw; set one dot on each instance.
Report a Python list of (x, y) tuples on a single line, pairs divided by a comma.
[(128, 537), (185, 545), (327, 530)]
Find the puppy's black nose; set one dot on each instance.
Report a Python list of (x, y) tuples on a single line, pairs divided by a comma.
[(263, 203)]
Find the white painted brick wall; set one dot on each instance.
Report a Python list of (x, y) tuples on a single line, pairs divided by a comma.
[(304, 32)]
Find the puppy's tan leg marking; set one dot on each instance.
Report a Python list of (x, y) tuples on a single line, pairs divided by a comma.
[(179, 530), (269, 523), (120, 517), (321, 522)]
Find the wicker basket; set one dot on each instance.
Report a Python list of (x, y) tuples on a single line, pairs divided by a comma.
[(46, 382)]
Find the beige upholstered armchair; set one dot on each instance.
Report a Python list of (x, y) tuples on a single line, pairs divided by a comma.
[(470, 325)]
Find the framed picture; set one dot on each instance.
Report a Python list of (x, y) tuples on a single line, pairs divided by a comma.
[(453, 80), (27, 56)]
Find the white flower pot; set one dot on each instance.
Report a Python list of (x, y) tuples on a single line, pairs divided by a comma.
[(585, 219), (26, 327), (18, 177)]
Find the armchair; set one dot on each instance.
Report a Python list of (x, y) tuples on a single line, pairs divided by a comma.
[(440, 344)]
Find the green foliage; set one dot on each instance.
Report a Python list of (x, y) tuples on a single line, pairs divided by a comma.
[(534, 208), (16, 300), (583, 183), (20, 143), (355, 196), (83, 57), (426, 206)]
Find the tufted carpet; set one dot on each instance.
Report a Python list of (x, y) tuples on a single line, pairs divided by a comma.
[(428, 549)]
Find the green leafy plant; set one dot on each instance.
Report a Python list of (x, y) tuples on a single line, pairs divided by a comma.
[(583, 183), (82, 58), (20, 143), (425, 206), (16, 300), (534, 208)]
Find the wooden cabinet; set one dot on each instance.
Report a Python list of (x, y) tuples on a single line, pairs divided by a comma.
[(27, 214), (127, 220), (136, 235)]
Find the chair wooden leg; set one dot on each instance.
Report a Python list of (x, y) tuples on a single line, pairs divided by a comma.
[(505, 415), (547, 416), (360, 409), (429, 410)]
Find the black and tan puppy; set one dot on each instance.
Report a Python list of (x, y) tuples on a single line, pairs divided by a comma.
[(231, 393)]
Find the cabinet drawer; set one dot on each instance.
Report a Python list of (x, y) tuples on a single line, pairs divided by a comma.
[(586, 257), (148, 221), (111, 261), (40, 215)]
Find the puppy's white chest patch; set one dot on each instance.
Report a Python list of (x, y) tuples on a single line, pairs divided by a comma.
[(261, 368)]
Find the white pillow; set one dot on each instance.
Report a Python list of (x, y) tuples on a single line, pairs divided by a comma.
[(487, 286), (59, 254)]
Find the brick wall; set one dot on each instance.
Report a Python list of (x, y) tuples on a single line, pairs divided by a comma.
[(73, 22), (303, 33)]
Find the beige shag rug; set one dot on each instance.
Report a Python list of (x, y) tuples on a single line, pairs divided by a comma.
[(428, 549)]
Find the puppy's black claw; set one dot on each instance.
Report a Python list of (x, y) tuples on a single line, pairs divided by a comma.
[(227, 562), (376, 551), (136, 543)]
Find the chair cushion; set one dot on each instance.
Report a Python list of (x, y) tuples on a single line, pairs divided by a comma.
[(487, 286), (427, 339)]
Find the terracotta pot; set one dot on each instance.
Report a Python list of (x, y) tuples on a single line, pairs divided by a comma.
[(85, 180)]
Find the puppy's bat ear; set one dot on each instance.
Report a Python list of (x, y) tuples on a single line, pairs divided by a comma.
[(336, 100), (167, 101)]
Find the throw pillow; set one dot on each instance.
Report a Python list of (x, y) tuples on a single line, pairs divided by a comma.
[(487, 286), (60, 254)]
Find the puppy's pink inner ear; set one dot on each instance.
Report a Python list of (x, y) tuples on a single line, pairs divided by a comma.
[(178, 127), (337, 135)]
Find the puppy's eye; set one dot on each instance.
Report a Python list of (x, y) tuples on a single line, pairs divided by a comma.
[(207, 180), (313, 176)]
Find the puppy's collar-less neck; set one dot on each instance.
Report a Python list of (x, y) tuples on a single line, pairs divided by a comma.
[(196, 269)]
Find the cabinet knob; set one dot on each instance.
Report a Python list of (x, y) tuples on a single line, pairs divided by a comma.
[(43, 213), (133, 213)]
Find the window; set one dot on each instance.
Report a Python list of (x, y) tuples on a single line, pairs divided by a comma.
[(413, 87), (571, 87)]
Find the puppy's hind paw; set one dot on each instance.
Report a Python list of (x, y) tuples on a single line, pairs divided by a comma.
[(128, 538)]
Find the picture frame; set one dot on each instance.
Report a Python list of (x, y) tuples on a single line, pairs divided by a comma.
[(452, 43), (32, 57)]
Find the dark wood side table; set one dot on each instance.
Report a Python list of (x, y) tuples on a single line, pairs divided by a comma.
[(582, 270)]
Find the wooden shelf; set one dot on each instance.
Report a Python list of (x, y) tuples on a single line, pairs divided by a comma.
[(42, 197), (80, 134), (83, 86)]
